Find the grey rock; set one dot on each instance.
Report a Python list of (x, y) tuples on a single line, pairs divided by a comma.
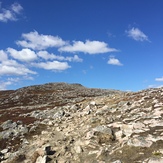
[(15, 131), (102, 110), (103, 134), (155, 160), (22, 129), (25, 141), (139, 142), (6, 134), (103, 129), (59, 114), (32, 129), (8, 124), (74, 107)]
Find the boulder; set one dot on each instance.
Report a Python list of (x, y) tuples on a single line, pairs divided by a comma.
[(103, 134)]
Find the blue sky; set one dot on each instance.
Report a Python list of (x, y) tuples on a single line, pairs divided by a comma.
[(110, 44)]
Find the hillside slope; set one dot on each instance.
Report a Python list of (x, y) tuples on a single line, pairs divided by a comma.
[(61, 123)]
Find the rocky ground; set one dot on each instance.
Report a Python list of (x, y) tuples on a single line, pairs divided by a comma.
[(68, 123)]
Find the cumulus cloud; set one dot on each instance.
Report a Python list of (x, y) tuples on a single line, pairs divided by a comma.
[(113, 61), (37, 41), (54, 65), (47, 56), (3, 56), (25, 55), (159, 79), (11, 13), (90, 47), (137, 34), (11, 67)]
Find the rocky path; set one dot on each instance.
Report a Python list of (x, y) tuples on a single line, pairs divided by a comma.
[(110, 128)]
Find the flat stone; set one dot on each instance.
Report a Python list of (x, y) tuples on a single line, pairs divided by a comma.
[(157, 124), (154, 138), (138, 125), (139, 142), (155, 160), (4, 151), (127, 129), (103, 129)]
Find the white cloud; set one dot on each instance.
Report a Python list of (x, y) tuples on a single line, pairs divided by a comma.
[(37, 41), (10, 14), (54, 65), (27, 77), (159, 79), (11, 67), (90, 47), (6, 15), (113, 61), (45, 55), (25, 55), (3, 85), (16, 7), (3, 56), (74, 59), (7, 82), (13, 79), (155, 86), (137, 34)]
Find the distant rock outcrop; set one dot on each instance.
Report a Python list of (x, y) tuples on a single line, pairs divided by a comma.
[(68, 123)]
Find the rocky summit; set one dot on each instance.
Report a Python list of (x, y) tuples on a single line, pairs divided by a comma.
[(69, 123)]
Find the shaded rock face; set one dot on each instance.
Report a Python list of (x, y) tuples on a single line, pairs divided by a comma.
[(59, 122)]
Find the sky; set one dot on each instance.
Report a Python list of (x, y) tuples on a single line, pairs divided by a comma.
[(109, 44)]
